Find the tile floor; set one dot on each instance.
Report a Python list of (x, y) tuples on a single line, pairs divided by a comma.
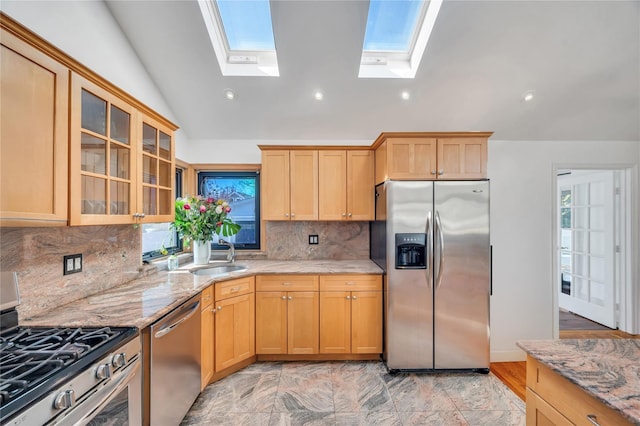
[(353, 393)]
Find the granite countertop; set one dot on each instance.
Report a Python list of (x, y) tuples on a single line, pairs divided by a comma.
[(141, 302), (607, 369)]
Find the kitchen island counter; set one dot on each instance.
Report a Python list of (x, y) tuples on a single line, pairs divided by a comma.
[(144, 300), (607, 369)]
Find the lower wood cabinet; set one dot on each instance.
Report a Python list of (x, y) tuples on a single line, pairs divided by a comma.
[(554, 400), (287, 314), (206, 319), (350, 314), (234, 322)]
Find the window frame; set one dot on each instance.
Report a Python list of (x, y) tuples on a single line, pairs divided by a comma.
[(253, 174)]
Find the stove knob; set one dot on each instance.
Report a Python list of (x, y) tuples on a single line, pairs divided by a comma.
[(103, 371), (119, 360), (65, 399)]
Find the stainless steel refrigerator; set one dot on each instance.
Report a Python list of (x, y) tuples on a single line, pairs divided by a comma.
[(432, 240)]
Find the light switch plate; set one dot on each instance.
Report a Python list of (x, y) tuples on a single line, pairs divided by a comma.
[(313, 239), (71, 264)]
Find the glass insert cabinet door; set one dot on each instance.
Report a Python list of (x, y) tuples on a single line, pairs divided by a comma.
[(102, 156), (157, 171)]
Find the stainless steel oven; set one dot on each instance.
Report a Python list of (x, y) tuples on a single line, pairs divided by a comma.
[(67, 376)]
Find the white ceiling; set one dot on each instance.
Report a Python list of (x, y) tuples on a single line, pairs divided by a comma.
[(582, 59)]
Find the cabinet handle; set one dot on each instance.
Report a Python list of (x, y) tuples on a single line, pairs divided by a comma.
[(344, 214), (286, 215), (234, 289), (219, 308), (440, 172), (213, 309), (350, 283), (354, 297), (349, 215), (290, 297), (593, 419), (433, 172), (293, 215), (348, 297), (284, 297), (287, 284)]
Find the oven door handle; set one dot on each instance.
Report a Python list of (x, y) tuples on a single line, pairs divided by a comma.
[(94, 403)]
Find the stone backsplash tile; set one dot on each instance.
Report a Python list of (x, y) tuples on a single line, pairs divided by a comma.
[(337, 240), (111, 256)]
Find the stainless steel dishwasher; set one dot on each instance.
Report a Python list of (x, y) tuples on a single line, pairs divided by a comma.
[(175, 364)]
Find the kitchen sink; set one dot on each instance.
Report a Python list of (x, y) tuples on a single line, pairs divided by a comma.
[(212, 271)]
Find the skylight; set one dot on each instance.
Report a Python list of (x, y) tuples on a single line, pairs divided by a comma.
[(242, 36), (396, 37)]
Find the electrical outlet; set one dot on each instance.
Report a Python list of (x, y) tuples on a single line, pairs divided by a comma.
[(72, 264), (313, 239)]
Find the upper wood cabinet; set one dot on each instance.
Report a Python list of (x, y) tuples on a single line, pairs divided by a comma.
[(33, 135), (75, 148), (121, 161), (345, 189), (425, 156), (289, 185)]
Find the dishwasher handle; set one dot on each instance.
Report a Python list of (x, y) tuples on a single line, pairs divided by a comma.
[(181, 317)]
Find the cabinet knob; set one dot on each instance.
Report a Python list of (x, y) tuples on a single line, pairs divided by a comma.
[(348, 297), (284, 297), (286, 215), (350, 215), (433, 172), (219, 308), (290, 297), (440, 172), (344, 214), (354, 297)]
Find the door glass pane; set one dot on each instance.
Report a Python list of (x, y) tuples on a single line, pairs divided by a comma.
[(94, 113), (94, 194), (597, 243), (166, 204), (581, 241), (597, 268), (597, 293), (149, 195), (149, 139), (119, 159), (581, 194), (581, 217), (149, 169), (165, 173), (119, 198), (596, 218), (581, 265), (565, 198), (596, 192), (93, 154), (119, 125), (565, 217), (165, 146), (581, 288)]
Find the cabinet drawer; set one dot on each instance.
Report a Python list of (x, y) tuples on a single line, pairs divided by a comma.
[(287, 283), (574, 403), (206, 297), (234, 288), (350, 282)]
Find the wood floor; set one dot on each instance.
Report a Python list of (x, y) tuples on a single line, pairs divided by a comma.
[(514, 374)]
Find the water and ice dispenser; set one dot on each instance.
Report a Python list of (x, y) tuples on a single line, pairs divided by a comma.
[(411, 251)]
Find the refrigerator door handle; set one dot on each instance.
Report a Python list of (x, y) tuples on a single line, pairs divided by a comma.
[(428, 271), (441, 253)]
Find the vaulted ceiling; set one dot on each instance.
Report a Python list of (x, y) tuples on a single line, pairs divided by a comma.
[(580, 58)]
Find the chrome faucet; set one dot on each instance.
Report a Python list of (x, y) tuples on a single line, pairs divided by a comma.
[(231, 254)]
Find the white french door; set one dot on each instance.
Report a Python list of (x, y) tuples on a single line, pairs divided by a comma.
[(587, 245)]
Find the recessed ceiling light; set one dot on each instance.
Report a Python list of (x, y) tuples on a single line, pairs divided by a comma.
[(528, 96), (405, 95), (229, 94), (318, 95)]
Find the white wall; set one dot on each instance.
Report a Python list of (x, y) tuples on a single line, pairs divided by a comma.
[(521, 173), (87, 32)]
